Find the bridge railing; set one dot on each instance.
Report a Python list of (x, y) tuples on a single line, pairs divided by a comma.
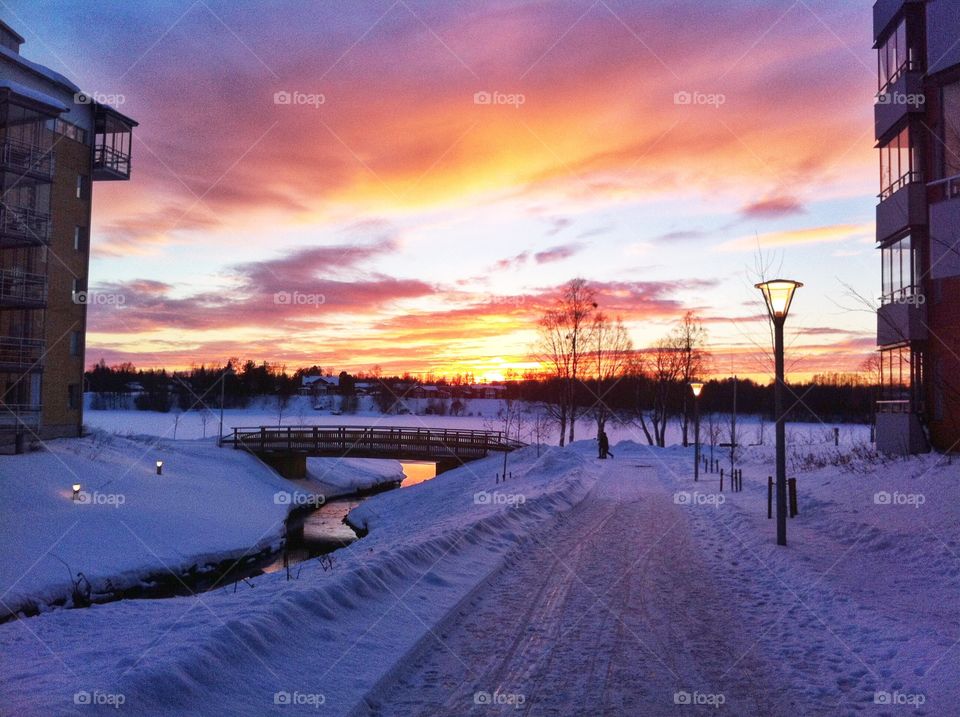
[(364, 440)]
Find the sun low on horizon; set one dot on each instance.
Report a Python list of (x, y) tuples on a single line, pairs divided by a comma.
[(406, 185)]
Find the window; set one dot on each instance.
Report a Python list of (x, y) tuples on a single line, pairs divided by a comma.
[(951, 130), (83, 186), (73, 396), (79, 238), (894, 57), (900, 378), (901, 270), (76, 343), (899, 164), (68, 130)]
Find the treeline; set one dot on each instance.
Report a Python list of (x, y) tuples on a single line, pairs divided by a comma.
[(830, 398)]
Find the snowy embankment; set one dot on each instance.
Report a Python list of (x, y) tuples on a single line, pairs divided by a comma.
[(861, 604), (325, 636), (127, 522)]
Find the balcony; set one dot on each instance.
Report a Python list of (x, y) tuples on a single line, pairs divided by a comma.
[(885, 11), (904, 319), (27, 160), (112, 145), (21, 355), (21, 227), (899, 431), (902, 97), (22, 290), (902, 207), (944, 220)]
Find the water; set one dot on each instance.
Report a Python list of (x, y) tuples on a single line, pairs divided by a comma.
[(325, 530)]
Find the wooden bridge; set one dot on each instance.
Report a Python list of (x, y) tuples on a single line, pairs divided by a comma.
[(286, 448)]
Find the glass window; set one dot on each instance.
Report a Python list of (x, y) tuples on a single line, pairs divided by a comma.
[(76, 343), (951, 130), (73, 396), (899, 164), (900, 271), (894, 57)]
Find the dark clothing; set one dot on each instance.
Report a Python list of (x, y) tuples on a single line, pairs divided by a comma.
[(603, 444)]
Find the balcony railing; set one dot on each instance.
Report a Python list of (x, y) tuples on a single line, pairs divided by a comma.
[(899, 406), (19, 354), (900, 183), (108, 163), (15, 416), (942, 189), (23, 227), (19, 289), (27, 159)]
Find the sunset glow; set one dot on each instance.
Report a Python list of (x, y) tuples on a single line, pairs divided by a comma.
[(406, 185)]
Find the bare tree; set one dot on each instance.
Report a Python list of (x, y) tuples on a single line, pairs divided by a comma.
[(688, 339), (665, 369), (563, 348), (610, 356)]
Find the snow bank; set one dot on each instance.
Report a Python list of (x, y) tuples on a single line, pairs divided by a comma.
[(331, 633), (210, 504)]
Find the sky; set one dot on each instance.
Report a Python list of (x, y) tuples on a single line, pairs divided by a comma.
[(407, 183)]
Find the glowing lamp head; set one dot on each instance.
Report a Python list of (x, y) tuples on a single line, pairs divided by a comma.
[(76, 487), (696, 387), (159, 468), (778, 293)]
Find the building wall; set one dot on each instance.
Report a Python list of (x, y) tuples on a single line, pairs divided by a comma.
[(65, 264)]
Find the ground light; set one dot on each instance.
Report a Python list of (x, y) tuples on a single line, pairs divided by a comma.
[(696, 387), (76, 491), (159, 468), (778, 295)]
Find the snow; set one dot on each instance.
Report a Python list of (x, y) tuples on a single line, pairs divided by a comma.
[(41, 70), (32, 94), (129, 522), (609, 587)]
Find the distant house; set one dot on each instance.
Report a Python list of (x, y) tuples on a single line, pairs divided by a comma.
[(429, 392), (487, 390), (319, 385)]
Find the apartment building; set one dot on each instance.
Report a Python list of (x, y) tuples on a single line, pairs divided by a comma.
[(55, 142), (917, 122)]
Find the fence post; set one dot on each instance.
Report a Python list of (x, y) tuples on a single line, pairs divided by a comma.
[(769, 497), (792, 490), (721, 480), (836, 436)]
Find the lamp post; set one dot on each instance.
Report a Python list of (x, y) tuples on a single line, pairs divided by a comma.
[(696, 387), (228, 371), (159, 468), (778, 295)]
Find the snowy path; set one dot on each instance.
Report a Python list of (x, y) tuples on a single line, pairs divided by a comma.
[(611, 610)]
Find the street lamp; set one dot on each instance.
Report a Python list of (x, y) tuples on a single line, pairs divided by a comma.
[(778, 294), (696, 387), (76, 490), (228, 371), (159, 468)]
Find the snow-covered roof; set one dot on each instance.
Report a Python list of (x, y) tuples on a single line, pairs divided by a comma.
[(38, 69), (32, 94)]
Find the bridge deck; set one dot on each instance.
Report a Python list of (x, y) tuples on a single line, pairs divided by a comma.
[(371, 442)]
